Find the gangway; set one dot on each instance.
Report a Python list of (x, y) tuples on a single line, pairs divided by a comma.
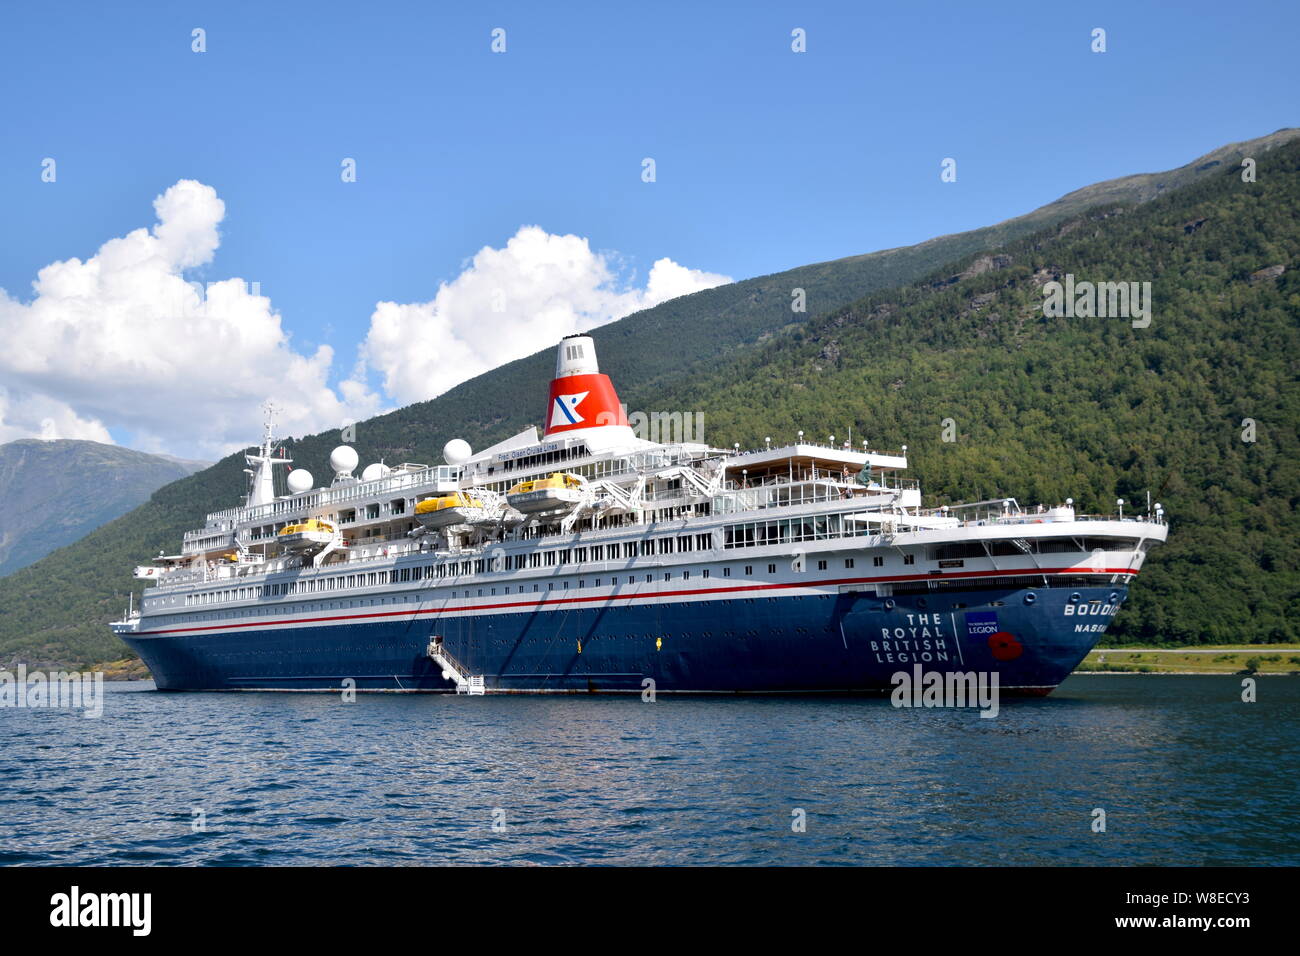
[(453, 670)]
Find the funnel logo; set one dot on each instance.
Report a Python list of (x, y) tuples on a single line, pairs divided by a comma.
[(593, 393), (564, 410)]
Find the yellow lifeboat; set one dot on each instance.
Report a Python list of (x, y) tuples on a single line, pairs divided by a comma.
[(447, 510), (560, 491), (306, 535)]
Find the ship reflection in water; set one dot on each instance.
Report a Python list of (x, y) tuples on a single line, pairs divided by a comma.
[(1186, 772)]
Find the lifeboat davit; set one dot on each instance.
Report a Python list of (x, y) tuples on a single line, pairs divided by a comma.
[(558, 492), (447, 510), (306, 535)]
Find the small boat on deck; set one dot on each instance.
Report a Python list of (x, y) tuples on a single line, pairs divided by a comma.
[(306, 535), (447, 510), (560, 491)]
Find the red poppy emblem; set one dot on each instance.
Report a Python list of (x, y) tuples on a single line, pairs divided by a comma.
[(1004, 646)]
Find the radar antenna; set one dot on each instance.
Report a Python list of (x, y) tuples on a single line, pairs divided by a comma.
[(261, 470)]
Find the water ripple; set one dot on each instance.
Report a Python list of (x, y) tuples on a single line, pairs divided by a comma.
[(1185, 772)]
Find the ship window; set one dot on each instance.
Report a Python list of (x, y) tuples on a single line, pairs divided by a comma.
[(726, 572), (821, 565), (909, 559), (705, 572), (649, 578), (771, 569), (848, 562), (878, 561), (749, 569), (686, 575)]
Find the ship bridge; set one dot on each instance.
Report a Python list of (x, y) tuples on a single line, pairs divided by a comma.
[(802, 461)]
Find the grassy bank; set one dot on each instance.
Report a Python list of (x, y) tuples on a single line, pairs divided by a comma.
[(1267, 659)]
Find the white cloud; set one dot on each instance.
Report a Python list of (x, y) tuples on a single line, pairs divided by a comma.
[(38, 416), (508, 303), (121, 340)]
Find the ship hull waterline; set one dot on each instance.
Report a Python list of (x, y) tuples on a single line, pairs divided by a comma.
[(852, 642)]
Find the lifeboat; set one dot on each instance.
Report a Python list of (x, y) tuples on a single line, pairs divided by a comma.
[(306, 536), (558, 492), (448, 510)]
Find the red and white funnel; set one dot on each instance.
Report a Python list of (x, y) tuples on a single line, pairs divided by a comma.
[(582, 399)]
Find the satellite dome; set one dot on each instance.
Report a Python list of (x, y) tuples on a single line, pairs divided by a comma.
[(300, 480), (374, 471), (456, 451), (343, 459)]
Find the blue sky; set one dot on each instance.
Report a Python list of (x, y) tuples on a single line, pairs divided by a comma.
[(766, 159)]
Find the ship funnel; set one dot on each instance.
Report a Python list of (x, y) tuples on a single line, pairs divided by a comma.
[(576, 356), (581, 397)]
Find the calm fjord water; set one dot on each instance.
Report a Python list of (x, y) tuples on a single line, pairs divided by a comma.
[(1186, 772)]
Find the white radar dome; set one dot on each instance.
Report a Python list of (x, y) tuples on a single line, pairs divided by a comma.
[(375, 471), (343, 459), (456, 451), (300, 480)]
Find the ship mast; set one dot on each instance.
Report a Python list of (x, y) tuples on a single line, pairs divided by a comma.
[(261, 470)]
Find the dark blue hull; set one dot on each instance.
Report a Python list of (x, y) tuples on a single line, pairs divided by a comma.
[(1032, 637)]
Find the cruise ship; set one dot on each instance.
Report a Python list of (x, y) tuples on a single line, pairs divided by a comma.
[(592, 559)]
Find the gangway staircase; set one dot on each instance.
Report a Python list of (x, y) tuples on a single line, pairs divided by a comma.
[(452, 669)]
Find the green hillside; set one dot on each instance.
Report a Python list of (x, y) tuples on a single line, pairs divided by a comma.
[(1089, 408), (1045, 409), (54, 492)]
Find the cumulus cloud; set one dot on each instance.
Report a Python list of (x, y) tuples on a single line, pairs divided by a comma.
[(38, 416), (508, 303), (122, 340)]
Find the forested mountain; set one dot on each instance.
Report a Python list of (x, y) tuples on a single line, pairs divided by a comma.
[(1044, 409), (1201, 408), (54, 492)]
